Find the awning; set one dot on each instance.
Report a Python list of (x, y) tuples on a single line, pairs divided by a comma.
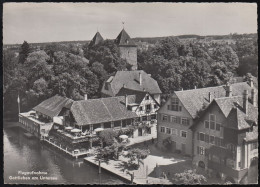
[(68, 128)]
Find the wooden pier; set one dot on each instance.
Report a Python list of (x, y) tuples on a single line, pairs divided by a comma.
[(73, 154)]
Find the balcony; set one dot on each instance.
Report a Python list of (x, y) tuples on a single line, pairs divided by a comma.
[(227, 170)]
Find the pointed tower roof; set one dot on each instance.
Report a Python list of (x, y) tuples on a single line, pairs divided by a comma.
[(124, 39), (96, 39)]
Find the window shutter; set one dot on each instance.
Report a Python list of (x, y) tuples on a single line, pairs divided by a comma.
[(198, 150), (198, 136), (188, 121), (169, 118), (160, 116), (169, 107), (180, 108)]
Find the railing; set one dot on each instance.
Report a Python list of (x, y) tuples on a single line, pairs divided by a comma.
[(71, 138), (227, 170)]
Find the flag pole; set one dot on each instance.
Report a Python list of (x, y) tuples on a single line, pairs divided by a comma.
[(18, 101)]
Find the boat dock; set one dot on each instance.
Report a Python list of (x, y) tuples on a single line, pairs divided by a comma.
[(74, 154)]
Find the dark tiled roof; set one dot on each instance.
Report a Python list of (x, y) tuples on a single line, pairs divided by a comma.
[(96, 39), (100, 110), (236, 120), (193, 100), (131, 81), (124, 39), (52, 106), (137, 96)]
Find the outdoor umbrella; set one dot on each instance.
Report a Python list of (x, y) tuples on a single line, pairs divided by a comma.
[(98, 129), (75, 130), (123, 136), (68, 128)]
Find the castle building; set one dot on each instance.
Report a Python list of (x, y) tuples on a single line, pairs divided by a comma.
[(96, 39), (128, 49)]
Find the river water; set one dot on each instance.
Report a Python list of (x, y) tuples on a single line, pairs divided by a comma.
[(26, 155)]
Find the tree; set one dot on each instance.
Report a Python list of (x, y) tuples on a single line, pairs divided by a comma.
[(138, 155), (24, 52), (189, 177), (107, 136)]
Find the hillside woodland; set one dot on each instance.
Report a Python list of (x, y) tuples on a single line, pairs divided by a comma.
[(74, 70)]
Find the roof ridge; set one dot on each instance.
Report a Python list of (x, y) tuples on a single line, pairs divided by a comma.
[(210, 87), (106, 108)]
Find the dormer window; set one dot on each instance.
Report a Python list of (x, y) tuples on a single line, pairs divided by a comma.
[(147, 97), (126, 41)]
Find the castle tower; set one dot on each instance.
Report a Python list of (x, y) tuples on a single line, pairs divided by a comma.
[(128, 49), (96, 39)]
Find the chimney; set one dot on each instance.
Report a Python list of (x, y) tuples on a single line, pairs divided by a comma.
[(210, 97), (245, 101), (124, 86), (126, 101), (85, 97), (253, 97), (140, 78), (181, 89), (251, 83), (228, 90), (195, 87)]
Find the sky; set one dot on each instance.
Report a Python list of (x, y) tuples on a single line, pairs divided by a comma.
[(50, 22)]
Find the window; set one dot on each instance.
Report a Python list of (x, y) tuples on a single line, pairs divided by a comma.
[(217, 141), (175, 104), (239, 164), (183, 134), (212, 125), (217, 126), (148, 107), (165, 117), (169, 107), (163, 129), (141, 108), (200, 150), (175, 119), (147, 97), (206, 138), (206, 123), (212, 139), (222, 144), (144, 118), (168, 130), (185, 121), (212, 117), (155, 106), (202, 137)]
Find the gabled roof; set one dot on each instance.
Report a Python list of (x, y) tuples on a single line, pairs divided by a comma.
[(193, 100), (124, 39), (52, 106), (96, 39), (100, 110), (226, 105), (137, 97), (236, 120), (130, 79)]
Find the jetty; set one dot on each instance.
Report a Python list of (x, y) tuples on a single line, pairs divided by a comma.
[(74, 153)]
